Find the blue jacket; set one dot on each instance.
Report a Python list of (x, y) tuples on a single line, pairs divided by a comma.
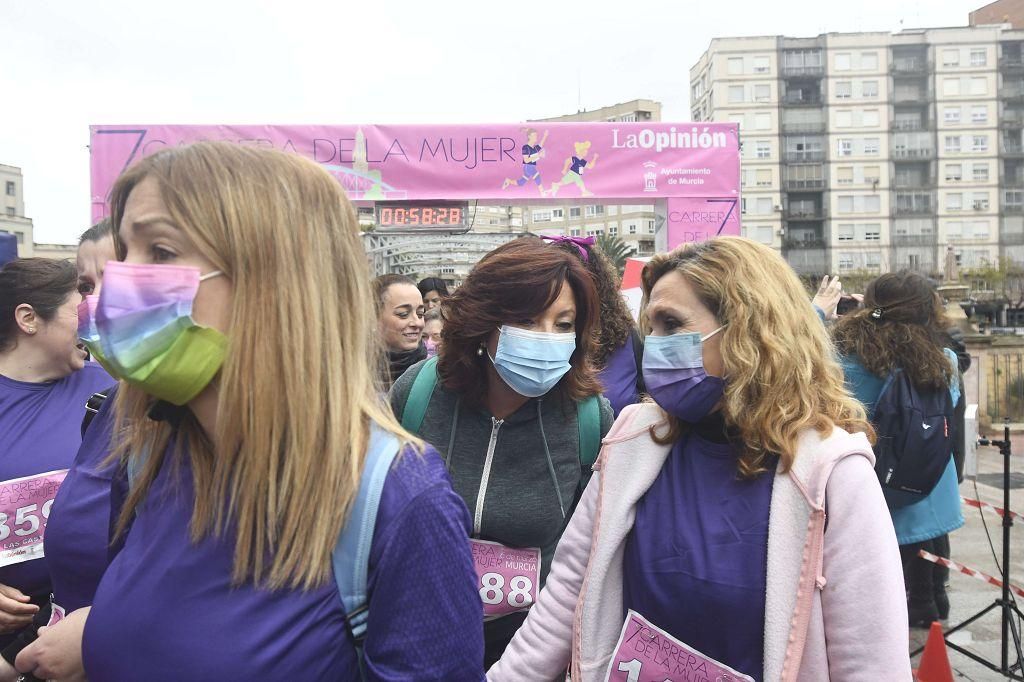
[(939, 512)]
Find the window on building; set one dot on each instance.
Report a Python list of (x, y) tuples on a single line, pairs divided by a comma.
[(979, 201), (872, 174), (846, 261), (764, 205), (979, 114), (735, 66), (10, 210), (951, 114), (594, 210), (738, 119), (843, 61), (872, 259), (762, 121), (869, 89), (861, 203), (954, 172), (764, 149), (952, 144), (844, 119), (979, 143), (11, 188), (650, 227), (631, 228), (541, 216), (980, 231), (735, 94), (871, 146), (761, 65), (844, 175), (980, 172), (844, 147), (951, 87), (764, 177), (951, 57), (846, 232), (762, 92), (872, 203), (954, 230), (765, 235), (557, 213), (872, 232), (613, 230), (743, 205), (979, 86), (954, 201), (574, 212), (870, 118), (574, 232), (868, 61), (844, 89), (978, 57)]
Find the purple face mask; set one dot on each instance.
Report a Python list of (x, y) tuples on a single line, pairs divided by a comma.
[(673, 369)]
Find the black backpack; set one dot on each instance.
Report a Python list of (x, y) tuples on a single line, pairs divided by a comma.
[(916, 435)]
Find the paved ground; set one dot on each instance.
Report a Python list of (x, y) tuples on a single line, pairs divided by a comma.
[(970, 546)]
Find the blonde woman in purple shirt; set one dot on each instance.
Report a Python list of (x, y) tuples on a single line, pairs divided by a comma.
[(243, 472)]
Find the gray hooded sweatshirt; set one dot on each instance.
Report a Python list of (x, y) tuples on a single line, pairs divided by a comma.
[(519, 476)]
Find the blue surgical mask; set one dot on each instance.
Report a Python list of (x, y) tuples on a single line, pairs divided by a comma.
[(531, 363), (674, 374)]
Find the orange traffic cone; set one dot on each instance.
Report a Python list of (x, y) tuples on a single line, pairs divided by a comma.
[(935, 660)]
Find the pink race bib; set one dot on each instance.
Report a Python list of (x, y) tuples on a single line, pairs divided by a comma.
[(24, 508), (508, 577), (646, 653), (57, 613)]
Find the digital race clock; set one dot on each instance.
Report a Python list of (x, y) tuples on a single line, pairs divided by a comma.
[(404, 216)]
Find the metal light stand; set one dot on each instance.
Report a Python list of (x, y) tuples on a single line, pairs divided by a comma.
[(1007, 607)]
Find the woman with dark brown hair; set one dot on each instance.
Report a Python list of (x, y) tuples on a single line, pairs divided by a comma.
[(902, 327), (512, 404), (618, 348)]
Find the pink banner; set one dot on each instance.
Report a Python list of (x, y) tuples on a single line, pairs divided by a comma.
[(494, 163), (24, 508), (699, 219)]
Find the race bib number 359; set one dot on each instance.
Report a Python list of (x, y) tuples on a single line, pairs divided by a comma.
[(508, 577), (24, 509), (646, 653)]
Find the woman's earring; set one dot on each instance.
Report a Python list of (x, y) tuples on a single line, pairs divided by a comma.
[(480, 352)]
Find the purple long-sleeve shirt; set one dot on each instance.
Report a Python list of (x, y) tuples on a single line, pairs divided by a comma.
[(78, 536), (166, 609)]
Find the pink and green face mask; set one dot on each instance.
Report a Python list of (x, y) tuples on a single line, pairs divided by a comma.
[(140, 328)]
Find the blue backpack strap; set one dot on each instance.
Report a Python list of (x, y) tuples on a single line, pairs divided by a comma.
[(419, 396), (351, 556), (885, 387), (588, 417)]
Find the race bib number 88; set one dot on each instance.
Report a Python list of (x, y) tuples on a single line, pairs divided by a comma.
[(24, 510), (508, 577)]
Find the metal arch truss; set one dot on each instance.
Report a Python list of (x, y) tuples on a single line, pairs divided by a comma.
[(410, 254)]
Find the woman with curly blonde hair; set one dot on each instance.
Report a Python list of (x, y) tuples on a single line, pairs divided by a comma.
[(705, 521)]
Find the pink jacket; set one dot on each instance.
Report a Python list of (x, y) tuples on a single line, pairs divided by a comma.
[(835, 609)]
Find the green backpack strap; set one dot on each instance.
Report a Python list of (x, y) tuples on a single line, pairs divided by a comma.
[(419, 396), (588, 415)]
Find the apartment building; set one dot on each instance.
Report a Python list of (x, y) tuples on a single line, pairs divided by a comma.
[(12, 213), (635, 224), (865, 152)]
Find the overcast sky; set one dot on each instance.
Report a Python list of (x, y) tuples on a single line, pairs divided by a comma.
[(66, 64)]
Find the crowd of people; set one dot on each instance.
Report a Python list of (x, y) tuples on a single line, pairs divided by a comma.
[(227, 453)]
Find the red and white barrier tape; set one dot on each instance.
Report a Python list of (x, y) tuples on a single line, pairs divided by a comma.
[(985, 506), (984, 577)]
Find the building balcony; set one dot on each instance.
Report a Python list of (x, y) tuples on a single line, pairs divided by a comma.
[(911, 97), (1013, 149), (804, 184), (1014, 93), (902, 153), (904, 126), (922, 184), (802, 71), (1012, 119), (804, 157), (1012, 209), (914, 240), (914, 209), (803, 243), (1011, 64), (791, 100), (808, 128), (909, 65), (805, 213)]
